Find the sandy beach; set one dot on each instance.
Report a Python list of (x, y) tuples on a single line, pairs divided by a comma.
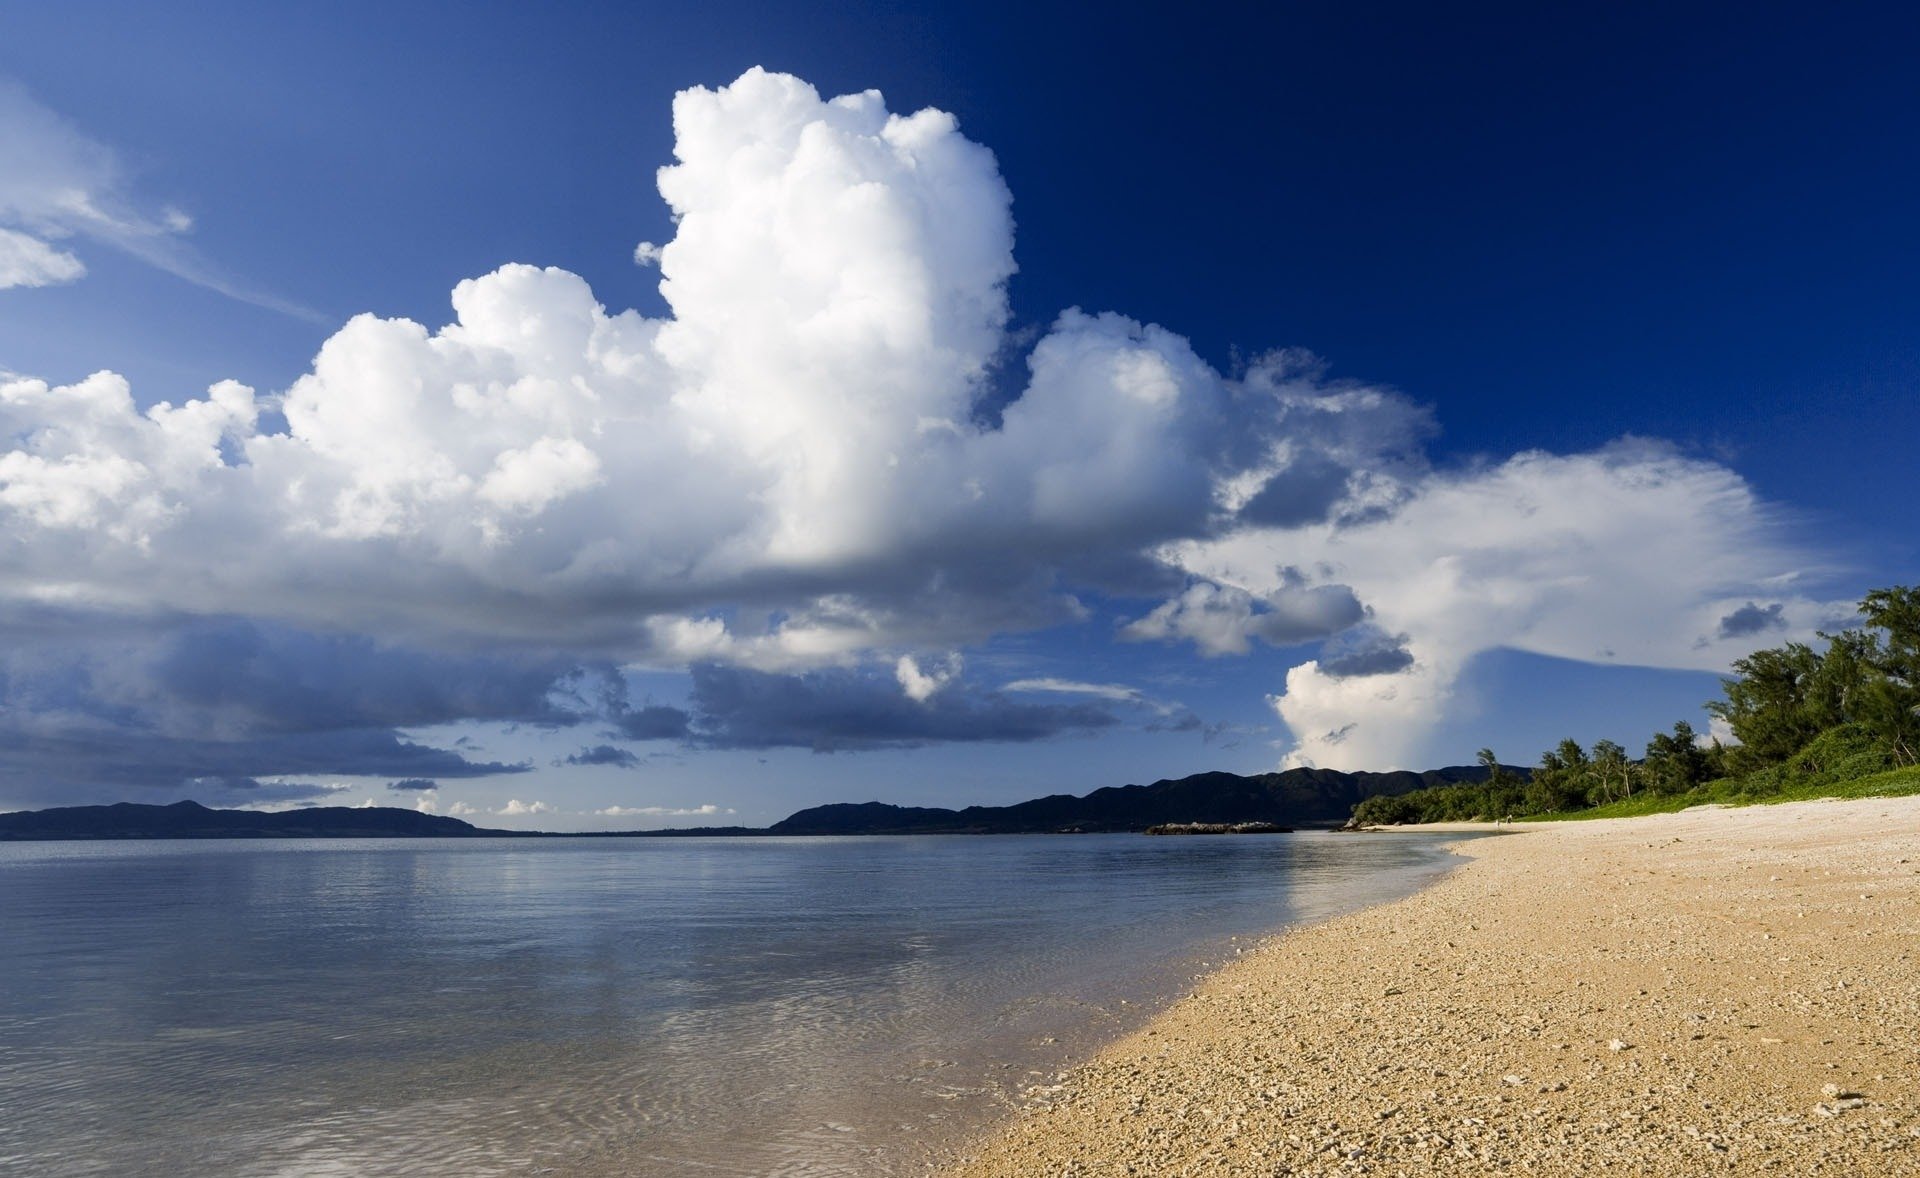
[(1718, 991)]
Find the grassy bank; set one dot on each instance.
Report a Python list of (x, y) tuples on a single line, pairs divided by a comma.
[(1843, 762), (1805, 723), (1893, 783)]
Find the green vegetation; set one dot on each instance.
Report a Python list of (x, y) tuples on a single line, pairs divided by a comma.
[(1843, 722)]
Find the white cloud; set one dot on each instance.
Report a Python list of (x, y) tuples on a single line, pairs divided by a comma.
[(646, 254), (1118, 692), (800, 432), (920, 685), (1225, 619), (28, 261), (463, 810), (516, 808), (1371, 722), (708, 810), (1631, 555), (525, 481), (788, 469), (57, 182), (95, 462)]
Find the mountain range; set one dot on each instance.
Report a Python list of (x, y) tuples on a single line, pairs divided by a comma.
[(1294, 797), (191, 820)]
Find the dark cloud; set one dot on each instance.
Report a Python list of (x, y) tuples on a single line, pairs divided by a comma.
[(652, 722), (277, 679), (1753, 618), (1226, 734), (69, 767), (1180, 721), (248, 791), (842, 711), (1304, 493), (1225, 619), (125, 715), (1291, 614), (606, 754), (601, 692), (1365, 650)]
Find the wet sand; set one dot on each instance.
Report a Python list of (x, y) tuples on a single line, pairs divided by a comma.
[(1719, 991)]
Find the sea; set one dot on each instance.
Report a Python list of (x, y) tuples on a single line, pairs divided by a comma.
[(604, 1006)]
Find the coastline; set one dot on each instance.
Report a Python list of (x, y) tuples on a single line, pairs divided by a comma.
[(1714, 990)]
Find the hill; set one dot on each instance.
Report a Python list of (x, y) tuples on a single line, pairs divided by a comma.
[(1295, 797)]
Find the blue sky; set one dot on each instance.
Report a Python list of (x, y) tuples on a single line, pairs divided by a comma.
[(1612, 357)]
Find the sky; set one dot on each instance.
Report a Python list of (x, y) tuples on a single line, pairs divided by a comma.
[(620, 416)]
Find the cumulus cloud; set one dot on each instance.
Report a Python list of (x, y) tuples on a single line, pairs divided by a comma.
[(1621, 556), (920, 685), (709, 810), (808, 465), (515, 808), (789, 469)]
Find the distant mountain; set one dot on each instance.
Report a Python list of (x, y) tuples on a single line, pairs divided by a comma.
[(191, 820), (1296, 797)]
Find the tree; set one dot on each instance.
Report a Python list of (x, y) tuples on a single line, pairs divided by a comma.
[(1560, 783), (1888, 702), (1833, 690), (1387, 810), (1610, 767), (1497, 774), (1768, 707), (1675, 762)]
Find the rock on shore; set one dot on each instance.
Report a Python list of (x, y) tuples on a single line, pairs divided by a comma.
[(1731, 992)]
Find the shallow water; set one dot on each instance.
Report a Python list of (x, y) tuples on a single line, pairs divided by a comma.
[(619, 1006)]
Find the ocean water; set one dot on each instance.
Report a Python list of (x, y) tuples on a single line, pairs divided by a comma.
[(601, 1006)]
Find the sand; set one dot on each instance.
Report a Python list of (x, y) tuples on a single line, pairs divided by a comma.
[(1720, 991)]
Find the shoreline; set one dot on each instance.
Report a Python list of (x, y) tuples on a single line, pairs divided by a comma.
[(1717, 990)]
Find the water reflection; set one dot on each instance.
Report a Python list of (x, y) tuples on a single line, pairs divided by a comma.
[(620, 1006)]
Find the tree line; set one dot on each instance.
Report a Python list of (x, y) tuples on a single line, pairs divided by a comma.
[(1801, 718)]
